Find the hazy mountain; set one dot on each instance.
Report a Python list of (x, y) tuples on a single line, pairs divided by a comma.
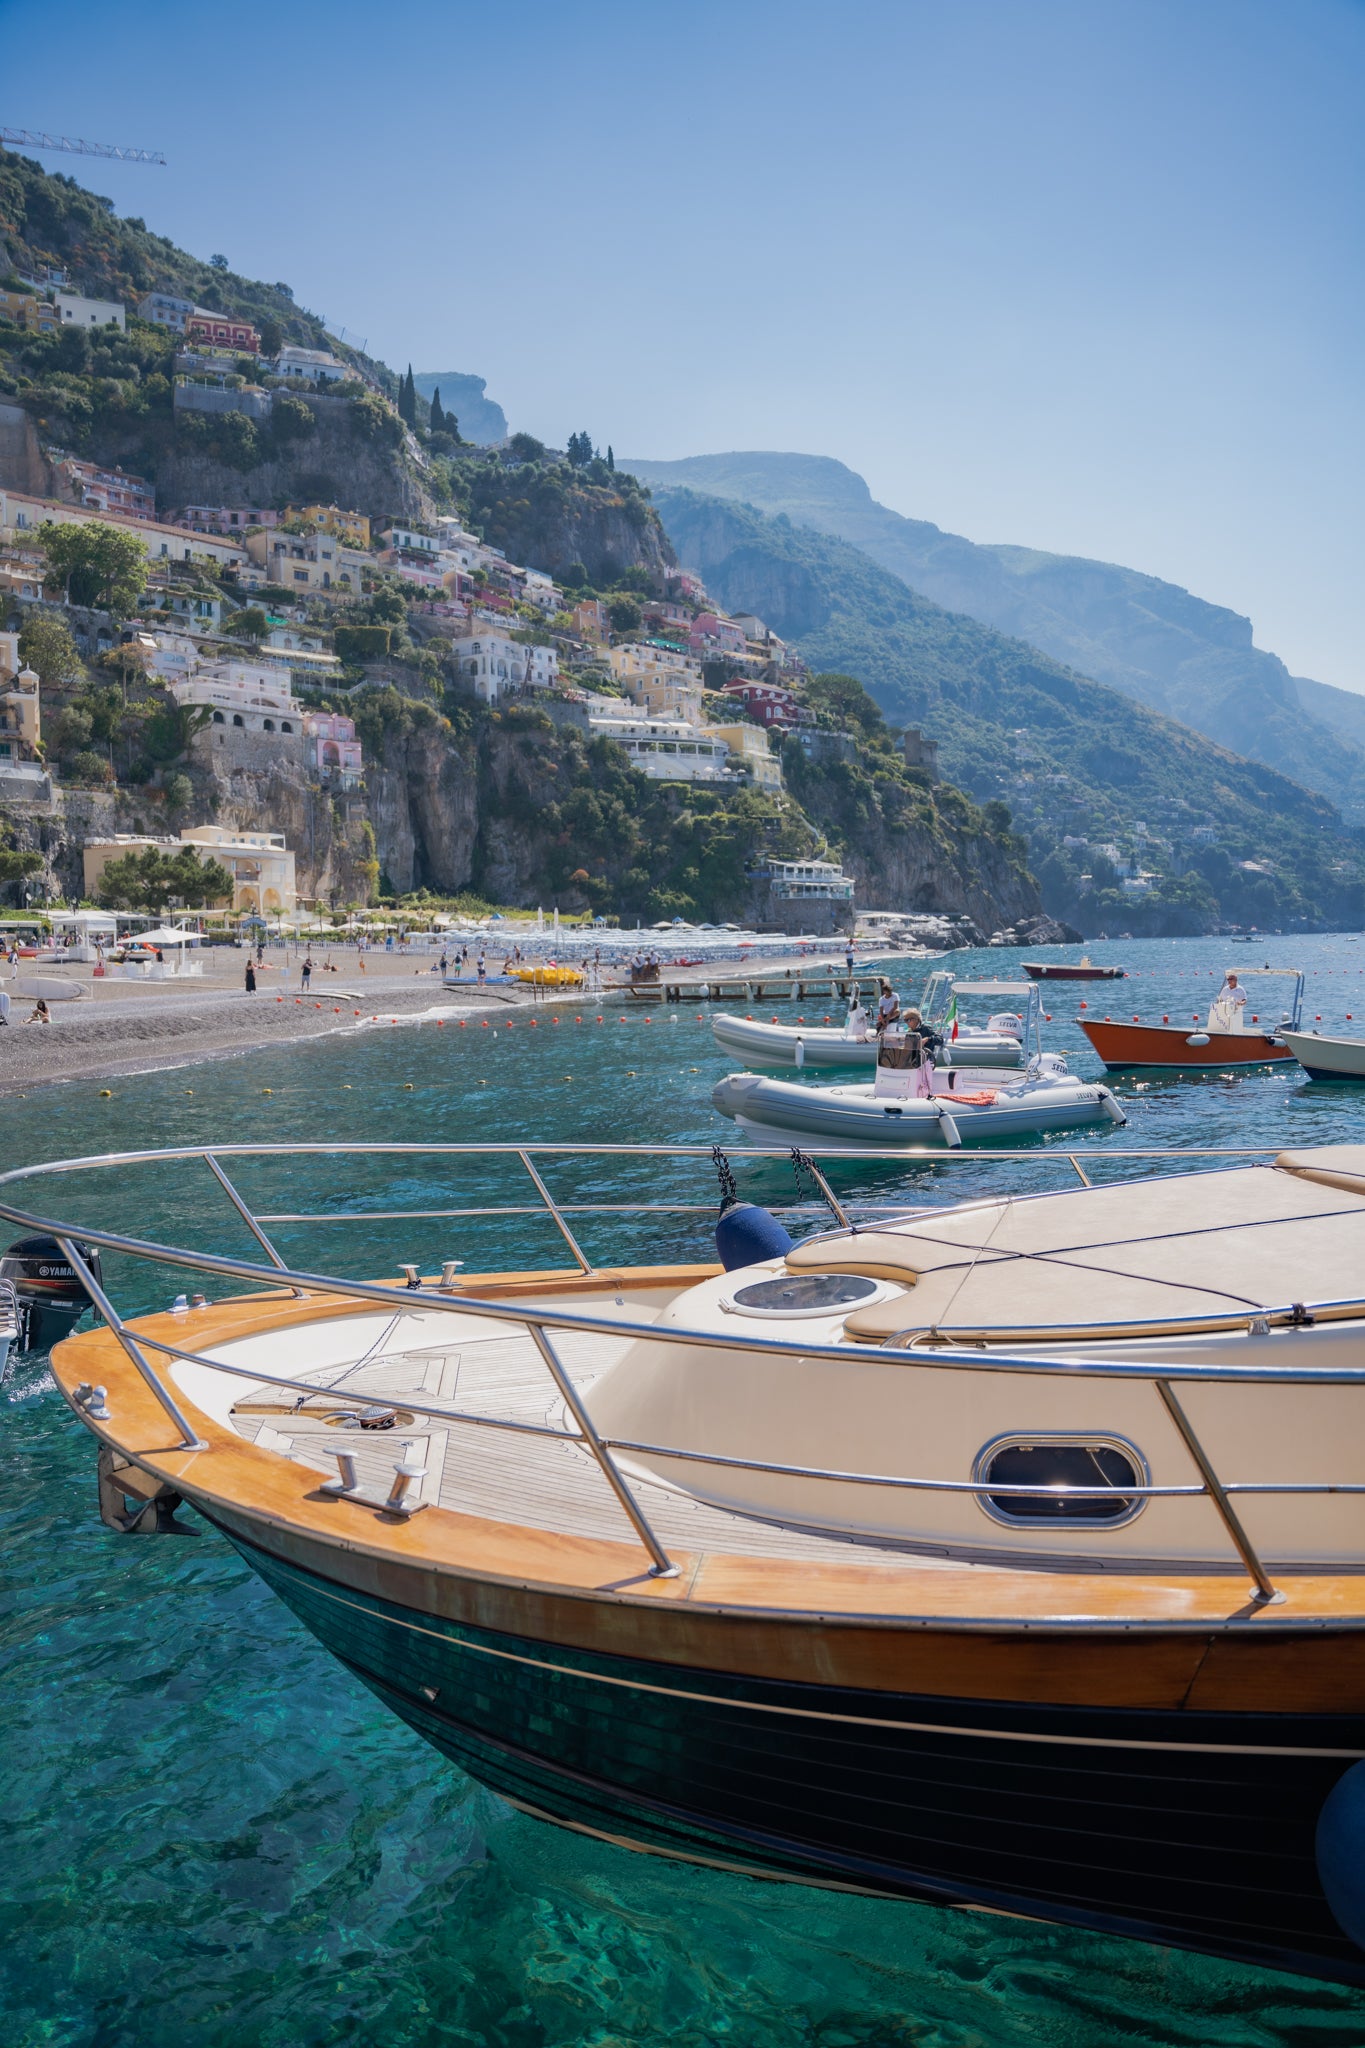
[(1156, 642), (1069, 755), (481, 419)]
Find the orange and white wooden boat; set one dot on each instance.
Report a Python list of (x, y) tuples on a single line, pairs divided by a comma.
[(1004, 1555), (1224, 1041)]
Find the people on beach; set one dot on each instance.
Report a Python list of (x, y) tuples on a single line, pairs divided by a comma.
[(4, 1007), (482, 970), (250, 978), (39, 1014), (307, 972)]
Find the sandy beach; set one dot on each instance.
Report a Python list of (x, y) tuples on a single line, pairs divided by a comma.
[(122, 1026)]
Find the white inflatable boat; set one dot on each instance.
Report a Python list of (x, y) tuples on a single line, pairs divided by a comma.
[(977, 1109), (999, 1044)]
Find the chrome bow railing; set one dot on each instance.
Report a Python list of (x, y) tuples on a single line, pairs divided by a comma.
[(540, 1322)]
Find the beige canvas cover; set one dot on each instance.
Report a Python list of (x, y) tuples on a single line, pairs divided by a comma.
[(1223, 1244)]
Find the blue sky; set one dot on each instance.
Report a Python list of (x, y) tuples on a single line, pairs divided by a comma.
[(1076, 274)]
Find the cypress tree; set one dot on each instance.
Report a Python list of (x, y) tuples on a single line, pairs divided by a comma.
[(407, 399), (438, 418), (611, 459)]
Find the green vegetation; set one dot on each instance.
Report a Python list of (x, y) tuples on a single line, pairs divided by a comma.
[(148, 879), (95, 564)]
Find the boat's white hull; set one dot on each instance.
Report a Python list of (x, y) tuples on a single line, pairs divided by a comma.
[(1334, 1059), (775, 1045), (783, 1112)]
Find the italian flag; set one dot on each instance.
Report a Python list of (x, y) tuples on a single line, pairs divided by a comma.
[(951, 1017)]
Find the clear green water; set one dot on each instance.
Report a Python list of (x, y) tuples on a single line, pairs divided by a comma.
[(212, 1835)]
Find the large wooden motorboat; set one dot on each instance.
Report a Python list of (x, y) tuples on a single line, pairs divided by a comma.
[(1227, 1039), (1006, 1555)]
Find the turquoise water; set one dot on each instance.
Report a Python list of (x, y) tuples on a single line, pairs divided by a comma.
[(214, 1836)]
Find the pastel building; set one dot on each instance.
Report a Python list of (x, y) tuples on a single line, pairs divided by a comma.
[(752, 756), (221, 330), (305, 561), (241, 695), (315, 366), (75, 311), (260, 863), (666, 749), (332, 747), (109, 490), (494, 664), (162, 310)]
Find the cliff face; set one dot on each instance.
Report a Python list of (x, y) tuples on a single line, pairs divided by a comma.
[(913, 848), (551, 518), (339, 462)]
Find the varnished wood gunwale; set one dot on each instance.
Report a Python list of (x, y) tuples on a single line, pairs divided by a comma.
[(1103, 1639)]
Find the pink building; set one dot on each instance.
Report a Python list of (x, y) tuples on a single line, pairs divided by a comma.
[(711, 633), (221, 330), (770, 703), (332, 745), (109, 490)]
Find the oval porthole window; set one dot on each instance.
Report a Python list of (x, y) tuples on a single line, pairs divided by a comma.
[(1064, 1478)]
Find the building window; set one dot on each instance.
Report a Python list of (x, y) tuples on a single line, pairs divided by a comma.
[(285, 726), (218, 718), (237, 718), (268, 724)]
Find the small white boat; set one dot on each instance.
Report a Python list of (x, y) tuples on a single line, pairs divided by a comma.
[(999, 1044), (1327, 1059), (969, 1112)]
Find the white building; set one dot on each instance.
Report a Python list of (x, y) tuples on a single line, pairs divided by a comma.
[(411, 538), (315, 366), (75, 311), (822, 880), (260, 863), (494, 663), (164, 311), (242, 695), (666, 749)]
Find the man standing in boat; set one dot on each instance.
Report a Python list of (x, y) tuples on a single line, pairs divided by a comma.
[(1228, 1004)]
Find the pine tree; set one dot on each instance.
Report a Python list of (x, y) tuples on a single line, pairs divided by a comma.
[(438, 418)]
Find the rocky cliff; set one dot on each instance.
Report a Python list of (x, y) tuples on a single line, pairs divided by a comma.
[(555, 518), (479, 418)]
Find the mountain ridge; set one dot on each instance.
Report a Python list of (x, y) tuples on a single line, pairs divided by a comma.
[(1156, 641)]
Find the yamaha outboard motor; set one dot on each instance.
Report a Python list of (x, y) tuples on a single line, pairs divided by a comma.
[(51, 1298)]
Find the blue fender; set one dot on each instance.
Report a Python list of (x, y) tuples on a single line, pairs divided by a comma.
[(746, 1235), (1340, 1851)]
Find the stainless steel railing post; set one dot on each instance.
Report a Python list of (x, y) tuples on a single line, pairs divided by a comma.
[(1246, 1550), (662, 1566), (585, 1264), (191, 1442), (250, 1221)]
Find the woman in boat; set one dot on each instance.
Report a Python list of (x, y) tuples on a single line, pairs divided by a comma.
[(888, 1008)]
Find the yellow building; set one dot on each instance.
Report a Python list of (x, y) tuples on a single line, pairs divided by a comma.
[(27, 310), (749, 750), (665, 680), (351, 527), (261, 865), (21, 729)]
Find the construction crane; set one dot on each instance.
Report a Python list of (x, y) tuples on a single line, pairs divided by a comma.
[(75, 145)]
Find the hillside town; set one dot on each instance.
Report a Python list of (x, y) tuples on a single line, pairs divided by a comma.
[(259, 624)]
